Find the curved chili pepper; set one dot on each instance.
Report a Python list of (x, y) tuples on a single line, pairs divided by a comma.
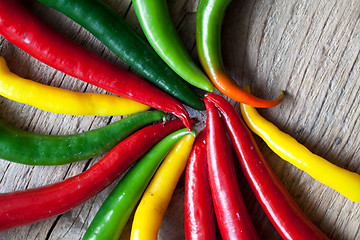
[(282, 210), (209, 18), (114, 213), (231, 214), (32, 205), (63, 101), (36, 149), (157, 196), (127, 44), (31, 34), (344, 181), (198, 207), (158, 27)]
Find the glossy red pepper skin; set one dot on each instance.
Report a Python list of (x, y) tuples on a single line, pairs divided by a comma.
[(198, 207), (231, 214), (24, 29), (279, 206), (24, 207)]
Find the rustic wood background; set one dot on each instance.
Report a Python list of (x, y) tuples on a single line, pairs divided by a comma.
[(308, 48)]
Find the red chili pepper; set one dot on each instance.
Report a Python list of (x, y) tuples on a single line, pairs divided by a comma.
[(32, 205), (231, 214), (198, 209), (274, 198), (31, 34)]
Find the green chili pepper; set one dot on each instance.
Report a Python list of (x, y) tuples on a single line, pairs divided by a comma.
[(35, 149), (157, 25), (127, 44), (113, 215), (209, 19)]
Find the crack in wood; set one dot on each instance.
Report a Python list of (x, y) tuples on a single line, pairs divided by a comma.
[(52, 227)]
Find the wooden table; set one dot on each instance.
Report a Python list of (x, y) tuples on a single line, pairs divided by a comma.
[(308, 48)]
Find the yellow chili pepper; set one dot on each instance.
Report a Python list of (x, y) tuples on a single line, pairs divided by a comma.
[(342, 180), (152, 207), (63, 101)]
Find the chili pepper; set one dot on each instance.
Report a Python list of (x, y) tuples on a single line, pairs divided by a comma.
[(31, 34), (114, 213), (231, 214), (32, 205), (36, 149), (155, 20), (157, 196), (344, 181), (127, 44), (198, 207), (63, 101), (209, 18), (279, 206)]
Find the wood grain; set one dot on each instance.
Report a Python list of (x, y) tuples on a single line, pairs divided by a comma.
[(308, 48)]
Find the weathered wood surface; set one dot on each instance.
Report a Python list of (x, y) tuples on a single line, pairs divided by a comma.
[(308, 48)]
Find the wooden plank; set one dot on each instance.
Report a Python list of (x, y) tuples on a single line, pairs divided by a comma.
[(308, 48)]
